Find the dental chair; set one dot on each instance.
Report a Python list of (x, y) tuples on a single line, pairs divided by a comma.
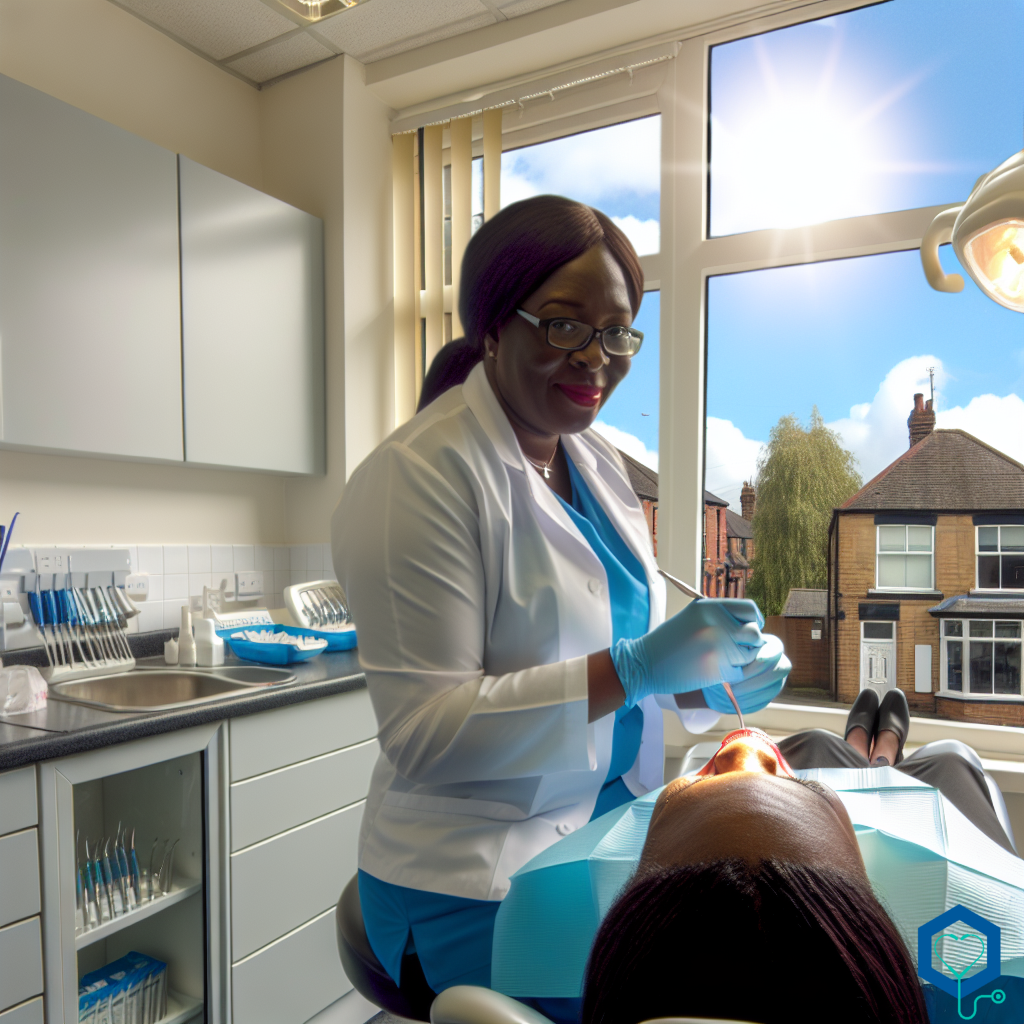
[(414, 998)]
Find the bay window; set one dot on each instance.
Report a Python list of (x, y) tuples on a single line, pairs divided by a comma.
[(981, 657)]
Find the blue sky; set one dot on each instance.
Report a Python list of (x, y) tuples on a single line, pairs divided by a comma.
[(893, 106)]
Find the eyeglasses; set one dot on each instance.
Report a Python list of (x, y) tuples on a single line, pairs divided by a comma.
[(571, 335)]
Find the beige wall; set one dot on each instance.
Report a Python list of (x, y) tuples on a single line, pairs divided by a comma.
[(327, 148), (318, 140)]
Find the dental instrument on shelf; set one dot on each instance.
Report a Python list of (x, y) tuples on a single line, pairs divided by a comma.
[(77, 601), (698, 596), (320, 605)]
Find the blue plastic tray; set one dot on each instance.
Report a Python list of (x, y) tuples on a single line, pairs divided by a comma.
[(344, 641), (270, 654)]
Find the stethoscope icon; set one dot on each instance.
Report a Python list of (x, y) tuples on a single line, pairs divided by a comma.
[(997, 995)]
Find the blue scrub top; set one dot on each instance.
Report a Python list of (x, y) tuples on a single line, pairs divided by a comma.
[(451, 935)]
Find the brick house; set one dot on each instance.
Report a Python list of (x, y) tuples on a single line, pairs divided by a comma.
[(728, 545), (644, 482), (926, 579), (801, 628)]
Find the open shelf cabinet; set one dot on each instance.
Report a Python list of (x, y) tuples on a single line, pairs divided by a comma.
[(160, 789)]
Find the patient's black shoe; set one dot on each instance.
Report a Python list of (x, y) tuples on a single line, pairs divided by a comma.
[(894, 717), (864, 714)]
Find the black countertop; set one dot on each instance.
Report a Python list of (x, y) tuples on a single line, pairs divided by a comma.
[(61, 728)]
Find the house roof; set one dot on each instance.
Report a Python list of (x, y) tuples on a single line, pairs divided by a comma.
[(737, 526), (950, 470), (642, 479), (803, 603), (988, 606), (713, 499)]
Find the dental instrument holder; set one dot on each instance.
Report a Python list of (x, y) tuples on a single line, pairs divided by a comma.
[(79, 606), (318, 605)]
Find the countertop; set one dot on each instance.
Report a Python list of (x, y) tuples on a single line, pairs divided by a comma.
[(61, 728)]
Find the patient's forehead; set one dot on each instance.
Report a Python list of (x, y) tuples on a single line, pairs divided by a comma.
[(752, 816)]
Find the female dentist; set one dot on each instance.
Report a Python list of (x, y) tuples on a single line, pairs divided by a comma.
[(511, 619)]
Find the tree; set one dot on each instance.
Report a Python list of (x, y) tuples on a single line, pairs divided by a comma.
[(802, 475)]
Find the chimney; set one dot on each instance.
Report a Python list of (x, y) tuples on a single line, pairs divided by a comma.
[(747, 501), (921, 421)]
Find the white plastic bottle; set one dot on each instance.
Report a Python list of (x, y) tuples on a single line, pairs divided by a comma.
[(186, 642), (209, 646)]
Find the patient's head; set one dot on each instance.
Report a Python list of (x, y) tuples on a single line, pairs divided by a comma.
[(750, 903)]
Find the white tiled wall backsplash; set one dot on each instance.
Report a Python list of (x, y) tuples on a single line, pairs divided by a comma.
[(177, 571)]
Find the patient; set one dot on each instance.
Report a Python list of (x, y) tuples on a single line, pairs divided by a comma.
[(750, 902)]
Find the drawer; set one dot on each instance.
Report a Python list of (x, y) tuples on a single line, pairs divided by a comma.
[(18, 799), (292, 980), (260, 743), (267, 804), (19, 876), (27, 1013), (21, 962), (279, 884)]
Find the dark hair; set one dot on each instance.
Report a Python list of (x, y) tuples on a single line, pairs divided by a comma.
[(520, 247), (449, 368), (771, 942)]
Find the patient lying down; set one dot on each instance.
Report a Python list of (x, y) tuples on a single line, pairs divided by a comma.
[(751, 902)]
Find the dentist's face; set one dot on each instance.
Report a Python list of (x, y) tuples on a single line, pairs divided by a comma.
[(545, 390), (746, 803)]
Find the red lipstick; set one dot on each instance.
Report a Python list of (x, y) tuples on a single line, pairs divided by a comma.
[(581, 394)]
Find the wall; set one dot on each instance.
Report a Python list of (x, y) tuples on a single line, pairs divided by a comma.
[(327, 148), (97, 57)]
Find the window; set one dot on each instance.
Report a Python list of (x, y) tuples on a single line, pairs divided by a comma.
[(981, 657), (1000, 557), (904, 557)]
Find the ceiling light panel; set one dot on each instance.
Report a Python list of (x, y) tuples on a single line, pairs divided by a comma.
[(385, 27), (314, 10), (217, 29), (279, 58)]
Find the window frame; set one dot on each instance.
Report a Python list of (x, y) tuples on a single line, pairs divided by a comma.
[(965, 639), (998, 554), (691, 256), (879, 554)]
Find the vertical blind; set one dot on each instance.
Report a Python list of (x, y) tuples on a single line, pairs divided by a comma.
[(426, 308)]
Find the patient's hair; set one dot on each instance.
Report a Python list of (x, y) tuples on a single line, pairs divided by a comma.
[(774, 943), (520, 247)]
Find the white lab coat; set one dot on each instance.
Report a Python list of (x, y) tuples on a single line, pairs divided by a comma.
[(476, 601)]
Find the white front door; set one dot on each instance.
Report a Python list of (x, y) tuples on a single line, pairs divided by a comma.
[(878, 656)]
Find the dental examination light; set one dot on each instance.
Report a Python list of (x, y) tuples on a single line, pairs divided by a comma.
[(987, 233)]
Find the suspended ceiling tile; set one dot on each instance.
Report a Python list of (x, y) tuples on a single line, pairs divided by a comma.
[(217, 28), (381, 28), (290, 54), (514, 8)]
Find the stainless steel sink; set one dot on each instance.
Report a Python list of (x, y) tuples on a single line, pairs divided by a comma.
[(165, 689)]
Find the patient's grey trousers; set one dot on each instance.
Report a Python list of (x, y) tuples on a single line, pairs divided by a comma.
[(952, 767)]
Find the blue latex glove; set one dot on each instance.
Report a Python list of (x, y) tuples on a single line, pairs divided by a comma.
[(707, 642), (762, 680)]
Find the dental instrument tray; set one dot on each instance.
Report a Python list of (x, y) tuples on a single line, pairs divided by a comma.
[(274, 644)]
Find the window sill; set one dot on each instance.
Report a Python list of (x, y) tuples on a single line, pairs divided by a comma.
[(908, 595), (982, 698), (996, 593)]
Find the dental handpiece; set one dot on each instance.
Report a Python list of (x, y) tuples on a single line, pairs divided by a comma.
[(698, 596)]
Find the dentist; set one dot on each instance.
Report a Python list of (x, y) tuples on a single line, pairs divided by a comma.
[(511, 619)]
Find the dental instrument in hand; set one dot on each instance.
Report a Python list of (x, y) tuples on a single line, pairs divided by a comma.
[(698, 596)]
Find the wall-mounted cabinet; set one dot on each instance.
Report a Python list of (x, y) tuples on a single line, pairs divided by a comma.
[(151, 308), (90, 340), (252, 282)]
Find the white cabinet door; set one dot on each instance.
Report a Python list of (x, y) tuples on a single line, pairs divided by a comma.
[(252, 326), (90, 314)]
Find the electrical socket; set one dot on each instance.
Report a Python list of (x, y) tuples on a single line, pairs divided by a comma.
[(137, 585), (248, 585)]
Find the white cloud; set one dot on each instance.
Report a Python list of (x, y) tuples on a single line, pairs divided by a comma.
[(629, 443), (644, 234), (994, 420), (731, 459), (876, 431), (589, 166)]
